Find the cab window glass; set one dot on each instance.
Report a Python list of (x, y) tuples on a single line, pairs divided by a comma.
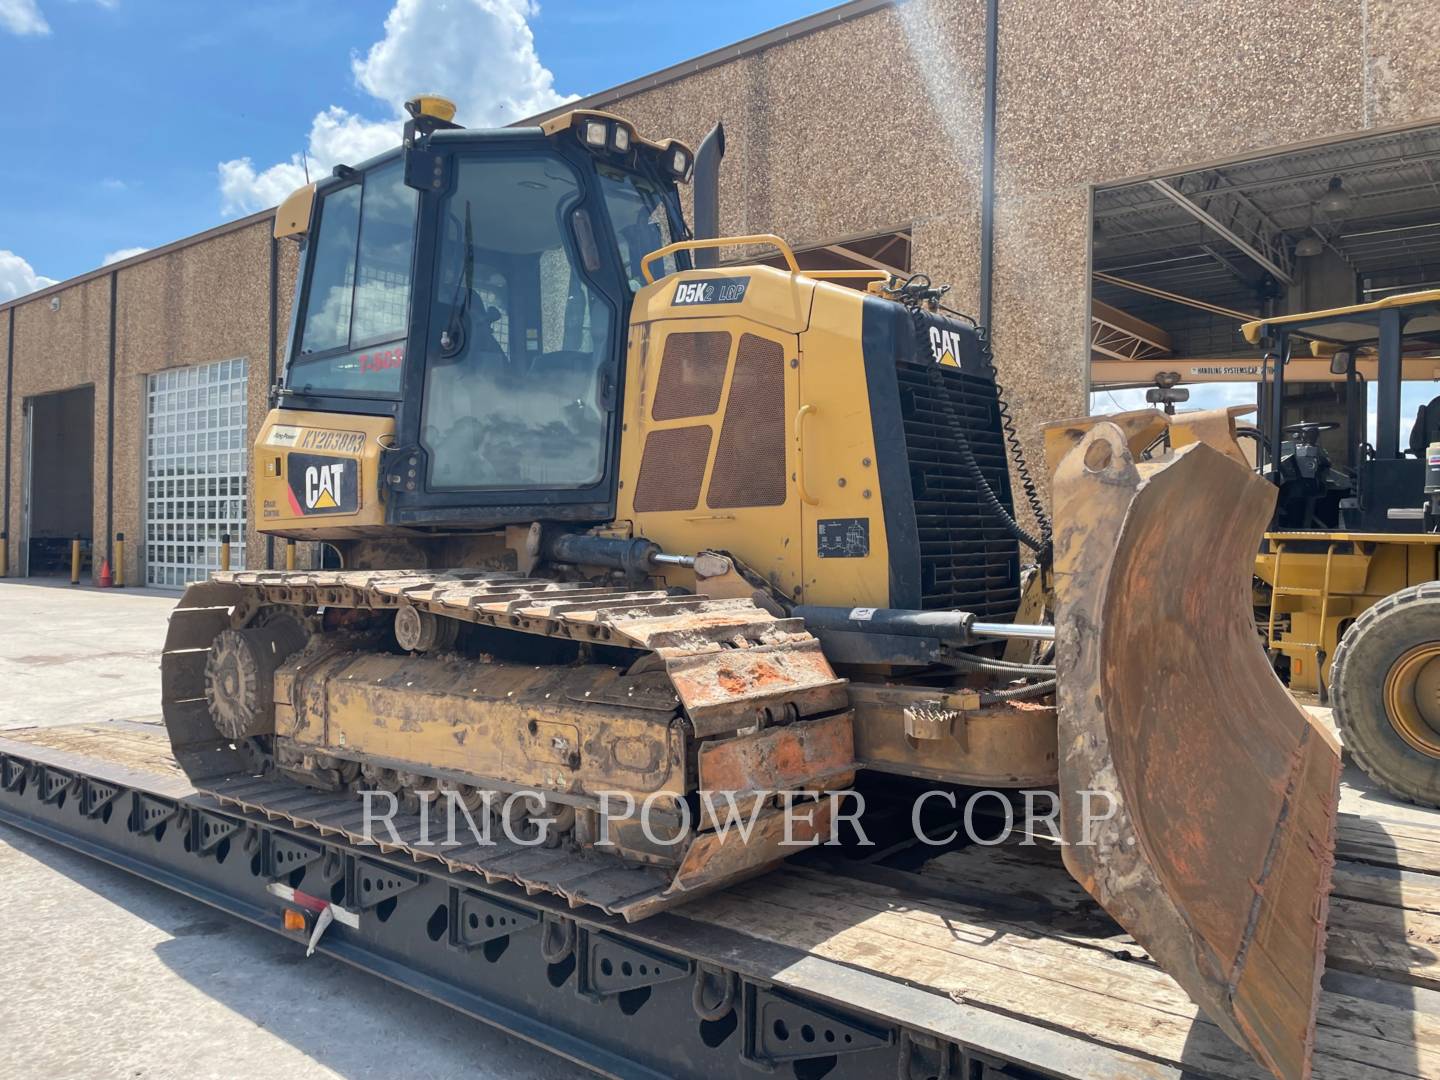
[(642, 224), (382, 267), (327, 314), (520, 341), (354, 325)]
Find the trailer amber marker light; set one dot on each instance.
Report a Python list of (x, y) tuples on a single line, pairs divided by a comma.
[(294, 920)]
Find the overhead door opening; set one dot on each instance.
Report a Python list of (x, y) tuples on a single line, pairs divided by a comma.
[(1180, 262), (196, 452), (59, 480)]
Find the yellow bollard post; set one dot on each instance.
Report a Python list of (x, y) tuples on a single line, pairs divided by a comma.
[(224, 551), (289, 554), (119, 560), (4, 553), (75, 560)]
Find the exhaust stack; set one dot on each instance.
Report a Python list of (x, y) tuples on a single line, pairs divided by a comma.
[(707, 195)]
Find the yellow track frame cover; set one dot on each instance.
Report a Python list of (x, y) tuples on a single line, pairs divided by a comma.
[(1219, 853)]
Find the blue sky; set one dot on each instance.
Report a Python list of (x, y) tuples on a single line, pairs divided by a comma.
[(122, 111)]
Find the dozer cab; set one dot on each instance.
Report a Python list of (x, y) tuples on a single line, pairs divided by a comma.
[(618, 527), (1352, 559)]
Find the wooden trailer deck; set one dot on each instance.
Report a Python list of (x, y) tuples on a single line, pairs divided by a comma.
[(1000, 941)]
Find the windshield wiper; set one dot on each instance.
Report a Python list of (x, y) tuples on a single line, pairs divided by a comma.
[(452, 338)]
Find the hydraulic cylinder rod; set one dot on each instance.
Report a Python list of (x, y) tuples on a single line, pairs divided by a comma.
[(959, 627)]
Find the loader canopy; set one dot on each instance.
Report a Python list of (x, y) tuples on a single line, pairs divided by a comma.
[(1218, 854)]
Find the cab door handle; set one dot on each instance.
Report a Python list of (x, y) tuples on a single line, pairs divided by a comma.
[(805, 496)]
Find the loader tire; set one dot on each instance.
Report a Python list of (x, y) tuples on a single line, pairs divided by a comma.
[(1386, 684)]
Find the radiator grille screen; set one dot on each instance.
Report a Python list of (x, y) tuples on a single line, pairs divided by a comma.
[(750, 460), (968, 560), (673, 468), (692, 371)]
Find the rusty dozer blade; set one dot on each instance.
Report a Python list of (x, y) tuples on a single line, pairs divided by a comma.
[(1219, 852)]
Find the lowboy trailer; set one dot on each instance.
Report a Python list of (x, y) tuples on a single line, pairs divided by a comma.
[(969, 964)]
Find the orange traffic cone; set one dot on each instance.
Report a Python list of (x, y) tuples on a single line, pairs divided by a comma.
[(106, 580)]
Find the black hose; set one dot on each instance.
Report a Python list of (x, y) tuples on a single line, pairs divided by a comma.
[(982, 485), (1007, 426), (1019, 693), (1042, 545), (1000, 667)]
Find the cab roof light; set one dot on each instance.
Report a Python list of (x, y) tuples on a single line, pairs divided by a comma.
[(595, 134), (678, 162), (620, 139)]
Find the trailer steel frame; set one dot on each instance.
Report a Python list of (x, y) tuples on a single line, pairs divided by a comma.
[(665, 998)]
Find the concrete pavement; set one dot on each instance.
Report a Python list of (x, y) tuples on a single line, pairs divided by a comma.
[(111, 976), (70, 653)]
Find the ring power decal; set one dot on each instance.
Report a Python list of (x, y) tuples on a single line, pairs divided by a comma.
[(323, 485)]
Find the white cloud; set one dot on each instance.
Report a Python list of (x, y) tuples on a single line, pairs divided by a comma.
[(122, 254), (22, 17), (335, 136), (113, 183), (18, 277), (480, 53)]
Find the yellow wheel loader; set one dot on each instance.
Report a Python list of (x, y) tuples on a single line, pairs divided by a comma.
[(1352, 559), (630, 543)]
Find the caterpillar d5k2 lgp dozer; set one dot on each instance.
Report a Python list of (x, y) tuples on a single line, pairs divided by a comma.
[(742, 531)]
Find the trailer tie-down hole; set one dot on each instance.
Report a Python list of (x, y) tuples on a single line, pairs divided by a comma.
[(438, 923), (632, 1001), (714, 1032), (559, 974), (815, 1068)]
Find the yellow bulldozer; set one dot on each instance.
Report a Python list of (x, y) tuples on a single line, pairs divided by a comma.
[(620, 527)]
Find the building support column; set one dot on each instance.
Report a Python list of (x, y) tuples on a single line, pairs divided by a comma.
[(108, 545), (9, 421), (274, 360)]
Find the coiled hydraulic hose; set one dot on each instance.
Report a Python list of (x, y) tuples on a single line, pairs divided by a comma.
[(1019, 693), (915, 292), (1007, 426), (1000, 667)]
